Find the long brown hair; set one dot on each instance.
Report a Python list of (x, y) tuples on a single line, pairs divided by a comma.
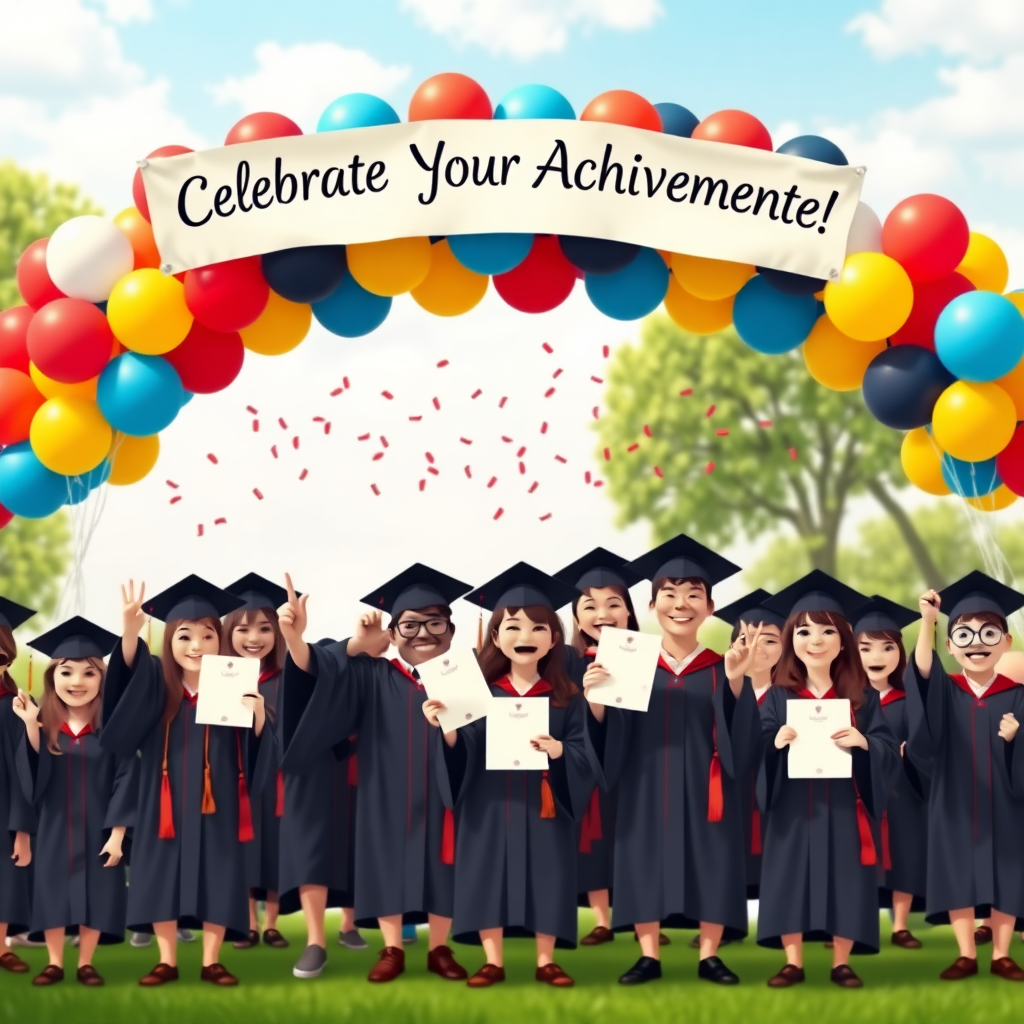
[(9, 649), (53, 712), (580, 640), (274, 661), (847, 673), (173, 678), (892, 636), (494, 665)]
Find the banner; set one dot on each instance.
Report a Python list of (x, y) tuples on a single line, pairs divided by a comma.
[(541, 177)]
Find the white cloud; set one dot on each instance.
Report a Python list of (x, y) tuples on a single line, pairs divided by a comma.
[(123, 12), (528, 28)]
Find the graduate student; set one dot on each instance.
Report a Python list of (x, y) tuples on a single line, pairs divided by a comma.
[(819, 870), (194, 815), (17, 817), (904, 824), (515, 831), (679, 848), (967, 724), (404, 840), (85, 800)]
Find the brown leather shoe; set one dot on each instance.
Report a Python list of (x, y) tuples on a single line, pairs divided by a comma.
[(962, 967), (49, 976), (844, 977), (250, 940), (441, 961), (552, 974), (982, 935), (598, 937), (13, 963), (390, 965), (1006, 968), (663, 939), (487, 975), (88, 975), (273, 938), (217, 974), (160, 975), (789, 975), (905, 940)]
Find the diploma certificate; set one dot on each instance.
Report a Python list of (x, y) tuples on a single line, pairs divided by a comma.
[(814, 754), (455, 679), (632, 659), (511, 723), (223, 681)]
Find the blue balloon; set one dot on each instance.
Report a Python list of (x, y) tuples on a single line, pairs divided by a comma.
[(790, 283), (970, 479), (814, 147), (493, 253), (80, 487), (632, 292), (597, 255), (979, 336), (537, 102), (771, 321), (27, 487), (305, 274), (676, 120), (356, 110), (902, 384), (350, 310), (186, 397), (139, 395)]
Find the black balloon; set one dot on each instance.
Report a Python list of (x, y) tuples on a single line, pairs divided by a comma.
[(791, 284), (597, 255), (902, 384), (307, 274)]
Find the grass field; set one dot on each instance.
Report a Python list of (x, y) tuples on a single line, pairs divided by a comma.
[(900, 987)]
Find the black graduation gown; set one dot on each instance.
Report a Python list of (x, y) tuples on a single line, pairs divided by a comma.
[(813, 879), (753, 819), (79, 796), (399, 817), (671, 864), (16, 815), (515, 869), (262, 855), (976, 801), (200, 874)]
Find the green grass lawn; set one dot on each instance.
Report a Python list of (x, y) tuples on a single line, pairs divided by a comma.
[(900, 987)]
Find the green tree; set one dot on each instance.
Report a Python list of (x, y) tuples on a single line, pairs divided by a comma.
[(745, 444), (34, 555)]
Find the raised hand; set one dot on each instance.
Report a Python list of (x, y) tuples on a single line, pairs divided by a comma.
[(291, 616), (929, 604), (784, 737), (25, 708), (1008, 726), (132, 616), (370, 637), (552, 747), (739, 659)]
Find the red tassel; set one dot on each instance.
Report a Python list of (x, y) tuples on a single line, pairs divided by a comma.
[(208, 805), (246, 834), (886, 857), (868, 856), (755, 832), (716, 800), (353, 771), (166, 814), (279, 808), (547, 800), (448, 838)]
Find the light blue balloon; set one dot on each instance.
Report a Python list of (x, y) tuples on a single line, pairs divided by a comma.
[(186, 397), (771, 321), (80, 487), (139, 395), (494, 253), (356, 110), (979, 336), (535, 102), (27, 487), (350, 311), (970, 479), (632, 292)]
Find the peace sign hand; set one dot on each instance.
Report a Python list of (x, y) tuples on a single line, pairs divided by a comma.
[(133, 617), (292, 615), (739, 659)]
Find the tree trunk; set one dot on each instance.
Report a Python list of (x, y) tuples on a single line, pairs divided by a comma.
[(822, 552), (930, 572)]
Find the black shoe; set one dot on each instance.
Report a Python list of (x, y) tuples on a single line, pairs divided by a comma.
[(645, 969), (712, 969)]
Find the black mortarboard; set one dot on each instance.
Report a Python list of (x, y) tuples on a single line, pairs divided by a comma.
[(817, 592), (325, 642), (751, 609), (683, 558), (193, 599), (76, 638), (258, 592), (417, 587), (881, 615), (977, 592), (598, 568), (12, 614), (521, 587)]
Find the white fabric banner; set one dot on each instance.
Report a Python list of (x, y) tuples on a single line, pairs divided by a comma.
[(463, 177)]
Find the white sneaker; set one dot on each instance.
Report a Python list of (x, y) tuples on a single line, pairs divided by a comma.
[(140, 940), (186, 935), (23, 940)]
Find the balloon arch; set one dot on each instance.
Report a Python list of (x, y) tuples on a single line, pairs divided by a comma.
[(107, 347)]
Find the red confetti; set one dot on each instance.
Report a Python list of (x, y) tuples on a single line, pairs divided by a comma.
[(273, 450), (522, 468), (709, 468), (220, 522), (561, 458), (434, 470), (533, 487), (304, 474), (258, 493), (430, 458), (363, 437), (375, 489), (504, 399), (443, 363), (327, 427), (607, 455), (387, 395), (344, 382), (549, 392), (710, 412), (506, 439), (604, 351), (764, 423), (415, 419), (586, 477), (658, 472), (383, 441), (284, 426), (423, 485), (336, 392), (544, 427), (177, 497), (647, 430), (171, 483), (255, 426), (437, 404), (377, 456), (722, 433), (597, 411), (465, 440), (558, 373), (547, 515), (476, 394), (596, 380), (686, 393), (469, 472), (492, 481), (318, 419), (200, 533), (521, 452), (599, 483), (792, 454), (499, 513), (547, 348), (295, 442), (249, 408), (212, 458), (631, 448)]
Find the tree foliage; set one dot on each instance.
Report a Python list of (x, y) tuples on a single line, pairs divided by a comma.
[(34, 555)]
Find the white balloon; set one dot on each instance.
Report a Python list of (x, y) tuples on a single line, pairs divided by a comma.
[(865, 231), (87, 256)]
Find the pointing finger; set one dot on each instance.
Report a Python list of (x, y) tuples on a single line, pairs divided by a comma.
[(290, 587)]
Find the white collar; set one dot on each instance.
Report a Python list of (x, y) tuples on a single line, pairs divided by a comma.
[(523, 688), (760, 691), (980, 688), (679, 666), (882, 693), (188, 689)]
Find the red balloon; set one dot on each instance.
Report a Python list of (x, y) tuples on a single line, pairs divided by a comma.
[(620, 106), (139, 190), (227, 296), (14, 337), (5, 516), (264, 125), (930, 300), (927, 235), (450, 95), (1010, 462), (19, 401), (207, 361), (70, 340), (34, 282), (736, 127), (542, 281)]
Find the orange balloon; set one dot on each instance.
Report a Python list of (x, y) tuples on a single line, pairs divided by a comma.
[(1013, 385), (697, 315), (19, 400), (140, 234), (620, 106)]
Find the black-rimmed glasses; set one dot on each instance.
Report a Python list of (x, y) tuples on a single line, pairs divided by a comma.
[(411, 627), (964, 636)]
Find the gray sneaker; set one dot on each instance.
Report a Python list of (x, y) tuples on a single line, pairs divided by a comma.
[(352, 940), (186, 935), (311, 963), (140, 940)]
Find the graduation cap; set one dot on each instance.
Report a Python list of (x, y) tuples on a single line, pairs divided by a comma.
[(598, 568), (522, 586), (880, 615), (683, 558), (193, 599), (977, 592), (817, 592), (12, 614), (258, 592), (417, 587), (751, 609), (77, 638)]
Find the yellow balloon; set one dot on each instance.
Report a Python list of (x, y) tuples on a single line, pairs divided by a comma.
[(697, 315), (53, 388), (922, 462), (710, 279), (279, 328), (973, 422), (147, 312), (1012, 384), (391, 267), (1001, 497), (872, 299), (449, 289), (1017, 298), (131, 458), (984, 264), (836, 361), (70, 435)]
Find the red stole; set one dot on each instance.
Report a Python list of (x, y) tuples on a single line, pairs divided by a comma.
[(399, 667), (66, 729), (892, 696), (998, 685)]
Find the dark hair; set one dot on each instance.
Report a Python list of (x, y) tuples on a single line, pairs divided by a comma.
[(173, 678), (580, 640), (53, 712), (847, 672), (494, 665), (891, 636), (443, 611), (274, 661), (675, 581), (992, 618), (752, 622), (9, 648)]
